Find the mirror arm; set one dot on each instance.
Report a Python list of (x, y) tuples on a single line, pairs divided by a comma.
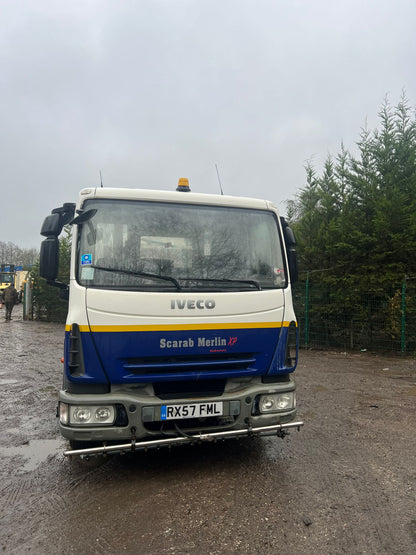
[(58, 284)]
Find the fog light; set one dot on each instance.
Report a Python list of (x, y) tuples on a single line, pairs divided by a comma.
[(276, 402)]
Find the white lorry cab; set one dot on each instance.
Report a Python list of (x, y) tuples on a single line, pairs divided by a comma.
[(180, 325)]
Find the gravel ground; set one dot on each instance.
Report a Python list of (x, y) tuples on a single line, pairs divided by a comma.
[(345, 483)]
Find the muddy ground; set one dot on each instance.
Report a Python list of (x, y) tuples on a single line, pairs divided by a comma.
[(346, 483)]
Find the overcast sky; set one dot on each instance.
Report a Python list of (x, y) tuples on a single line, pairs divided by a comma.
[(148, 91)]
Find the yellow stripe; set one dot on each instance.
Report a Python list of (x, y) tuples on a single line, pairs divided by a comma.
[(183, 327)]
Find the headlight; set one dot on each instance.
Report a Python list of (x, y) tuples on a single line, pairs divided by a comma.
[(275, 402), (81, 415), (103, 414), (87, 415)]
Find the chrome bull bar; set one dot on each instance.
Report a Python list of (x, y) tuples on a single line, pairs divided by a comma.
[(133, 446)]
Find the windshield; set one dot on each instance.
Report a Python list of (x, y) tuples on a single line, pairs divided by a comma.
[(6, 278), (163, 246)]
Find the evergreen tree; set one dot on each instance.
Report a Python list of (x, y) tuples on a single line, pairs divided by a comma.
[(358, 220), (356, 228), (304, 212)]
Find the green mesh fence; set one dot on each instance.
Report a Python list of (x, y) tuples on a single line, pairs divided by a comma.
[(380, 321)]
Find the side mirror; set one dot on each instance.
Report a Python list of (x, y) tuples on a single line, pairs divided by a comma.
[(51, 226), (293, 264), (290, 236), (49, 258), (290, 242), (49, 248)]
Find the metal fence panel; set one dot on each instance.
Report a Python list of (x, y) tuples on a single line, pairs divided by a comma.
[(381, 321)]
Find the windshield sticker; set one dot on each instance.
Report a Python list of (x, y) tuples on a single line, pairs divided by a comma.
[(86, 259), (279, 275), (87, 273)]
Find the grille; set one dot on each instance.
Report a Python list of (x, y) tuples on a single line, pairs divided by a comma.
[(188, 363), (179, 389)]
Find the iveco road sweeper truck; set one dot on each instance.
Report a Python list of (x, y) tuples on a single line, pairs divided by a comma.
[(180, 325)]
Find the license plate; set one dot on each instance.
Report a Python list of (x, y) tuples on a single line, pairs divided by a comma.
[(193, 410)]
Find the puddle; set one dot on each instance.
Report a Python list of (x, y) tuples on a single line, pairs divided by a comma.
[(34, 453)]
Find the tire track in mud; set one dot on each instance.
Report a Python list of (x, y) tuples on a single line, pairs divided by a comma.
[(40, 510), (10, 496), (48, 509), (51, 492), (42, 497)]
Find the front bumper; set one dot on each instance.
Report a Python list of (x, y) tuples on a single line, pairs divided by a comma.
[(133, 446), (140, 434)]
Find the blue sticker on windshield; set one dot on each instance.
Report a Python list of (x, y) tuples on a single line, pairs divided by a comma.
[(86, 259)]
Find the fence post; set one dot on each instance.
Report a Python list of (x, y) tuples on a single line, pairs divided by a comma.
[(307, 310), (28, 301), (403, 323)]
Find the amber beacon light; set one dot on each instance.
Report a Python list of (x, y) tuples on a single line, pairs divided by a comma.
[(183, 185)]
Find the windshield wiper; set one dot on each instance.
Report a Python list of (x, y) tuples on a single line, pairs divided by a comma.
[(218, 280), (139, 274)]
